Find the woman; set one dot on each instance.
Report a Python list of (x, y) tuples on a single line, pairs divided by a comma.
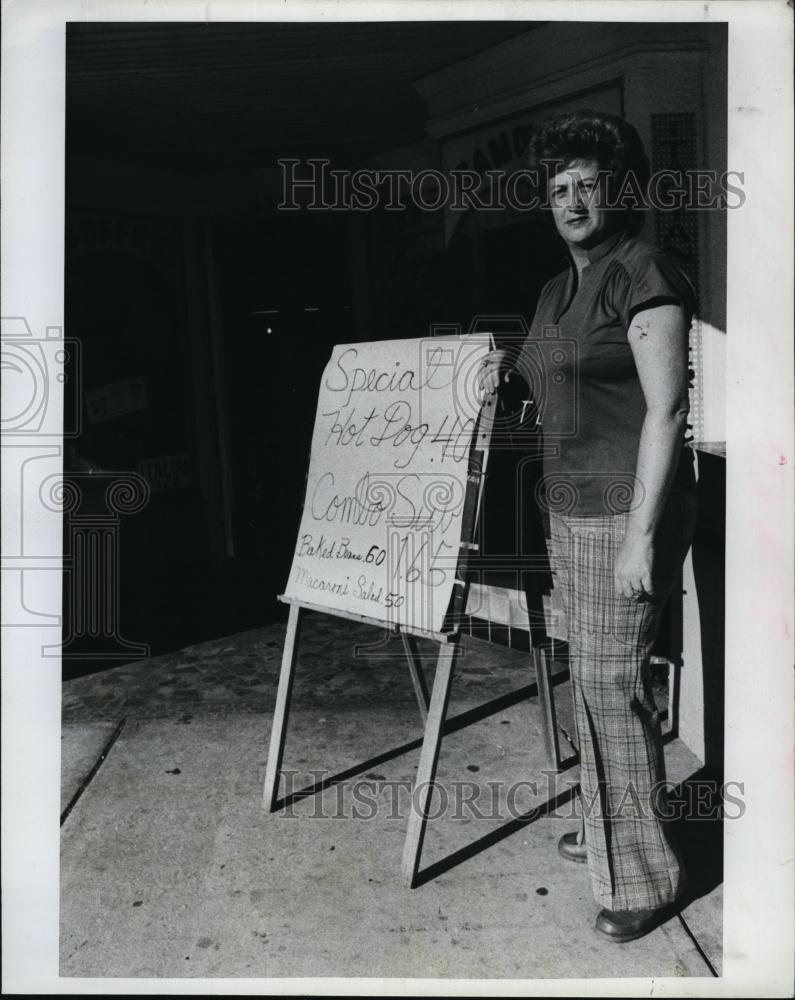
[(611, 336)]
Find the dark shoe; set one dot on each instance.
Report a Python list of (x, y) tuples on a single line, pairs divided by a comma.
[(627, 925), (571, 846)]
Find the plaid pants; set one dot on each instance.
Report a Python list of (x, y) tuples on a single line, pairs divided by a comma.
[(632, 861)]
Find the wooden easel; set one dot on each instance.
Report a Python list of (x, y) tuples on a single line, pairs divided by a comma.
[(433, 709)]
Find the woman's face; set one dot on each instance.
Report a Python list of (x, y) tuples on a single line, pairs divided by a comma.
[(578, 198)]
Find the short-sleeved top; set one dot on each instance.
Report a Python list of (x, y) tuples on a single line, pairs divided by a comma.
[(579, 364)]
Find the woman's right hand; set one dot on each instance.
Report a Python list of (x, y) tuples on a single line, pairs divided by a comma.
[(493, 369)]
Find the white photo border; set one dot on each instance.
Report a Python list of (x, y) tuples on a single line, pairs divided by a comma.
[(758, 901)]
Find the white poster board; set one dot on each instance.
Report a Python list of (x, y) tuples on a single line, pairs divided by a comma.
[(382, 517)]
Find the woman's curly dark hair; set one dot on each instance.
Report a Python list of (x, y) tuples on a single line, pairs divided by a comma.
[(612, 142)]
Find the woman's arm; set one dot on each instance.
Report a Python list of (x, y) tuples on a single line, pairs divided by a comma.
[(492, 371), (658, 338)]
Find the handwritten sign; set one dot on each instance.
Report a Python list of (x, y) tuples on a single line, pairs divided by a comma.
[(381, 524)]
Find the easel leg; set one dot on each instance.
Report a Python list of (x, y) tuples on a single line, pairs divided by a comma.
[(281, 711), (417, 673), (674, 677), (546, 699), (429, 757)]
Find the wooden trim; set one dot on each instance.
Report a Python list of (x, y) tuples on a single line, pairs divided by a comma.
[(395, 627)]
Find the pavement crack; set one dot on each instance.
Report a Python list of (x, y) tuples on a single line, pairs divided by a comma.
[(92, 773), (698, 947), (567, 736)]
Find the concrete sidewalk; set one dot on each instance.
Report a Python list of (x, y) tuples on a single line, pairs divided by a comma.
[(170, 867)]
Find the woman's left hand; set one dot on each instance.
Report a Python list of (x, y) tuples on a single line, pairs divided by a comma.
[(633, 568)]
